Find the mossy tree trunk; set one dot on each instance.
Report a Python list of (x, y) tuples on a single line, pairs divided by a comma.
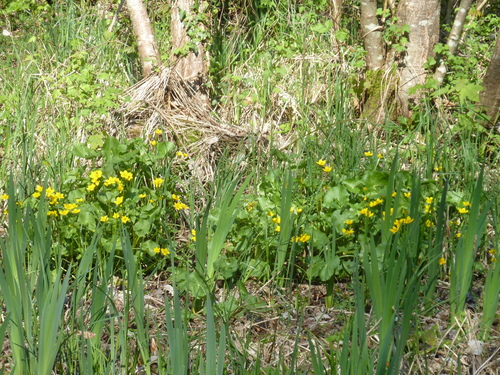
[(396, 63)]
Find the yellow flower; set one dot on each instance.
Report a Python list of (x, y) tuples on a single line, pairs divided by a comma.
[(70, 206), (270, 213), (321, 162), (327, 168), (154, 143), (79, 200), (116, 215), (437, 169), (181, 154), (158, 182), (407, 195), (466, 204), (126, 175), (142, 195), (428, 223), (348, 222), (104, 218), (125, 219), (158, 131), (366, 212), (462, 210), (375, 202), (165, 251), (380, 156), (276, 220), (37, 194), (49, 191), (76, 211), (193, 234), (458, 235), (52, 213), (347, 232), (157, 250), (63, 212), (408, 220), (304, 238), (428, 209), (180, 206), (442, 261), (95, 175), (278, 228), (112, 181), (118, 200), (91, 187), (176, 197), (39, 188), (368, 153), (429, 200)]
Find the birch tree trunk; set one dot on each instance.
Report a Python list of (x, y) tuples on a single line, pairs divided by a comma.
[(490, 96), (372, 35), (190, 64), (455, 34), (423, 18), (146, 42)]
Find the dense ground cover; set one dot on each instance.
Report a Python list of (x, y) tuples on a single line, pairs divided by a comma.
[(314, 242)]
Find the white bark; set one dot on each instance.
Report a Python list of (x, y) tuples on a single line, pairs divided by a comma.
[(146, 42), (453, 39)]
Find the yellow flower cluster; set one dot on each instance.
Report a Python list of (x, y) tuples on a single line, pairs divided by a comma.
[(303, 238), (399, 222), (366, 212), (348, 231), (163, 251), (178, 205), (322, 163)]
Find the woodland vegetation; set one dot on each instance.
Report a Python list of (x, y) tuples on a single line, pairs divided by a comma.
[(249, 187)]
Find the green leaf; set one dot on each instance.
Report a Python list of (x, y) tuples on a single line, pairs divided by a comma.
[(142, 227), (82, 151), (329, 269), (337, 196)]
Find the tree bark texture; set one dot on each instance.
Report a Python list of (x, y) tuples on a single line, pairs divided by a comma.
[(490, 96), (372, 35), (454, 37), (146, 42), (423, 18), (192, 65)]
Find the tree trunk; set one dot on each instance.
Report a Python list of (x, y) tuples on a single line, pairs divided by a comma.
[(372, 35), (455, 34), (490, 96), (188, 54), (423, 18), (336, 7), (394, 69), (146, 43)]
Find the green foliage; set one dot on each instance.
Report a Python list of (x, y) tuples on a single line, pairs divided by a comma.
[(120, 184)]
